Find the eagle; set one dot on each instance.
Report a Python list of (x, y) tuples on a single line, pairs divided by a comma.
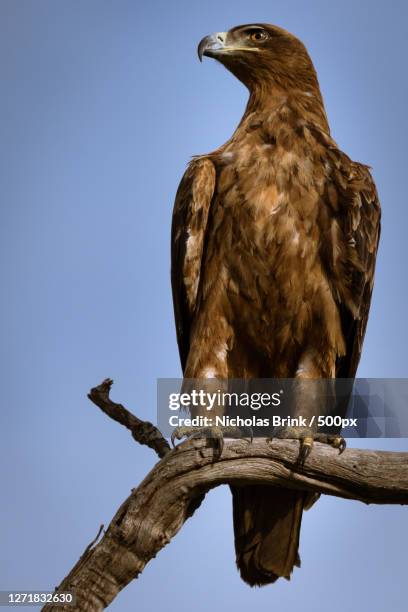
[(274, 242)]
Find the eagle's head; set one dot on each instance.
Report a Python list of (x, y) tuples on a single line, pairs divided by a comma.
[(259, 53)]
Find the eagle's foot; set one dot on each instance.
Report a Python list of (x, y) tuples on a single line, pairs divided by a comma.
[(307, 437), (335, 441), (216, 433)]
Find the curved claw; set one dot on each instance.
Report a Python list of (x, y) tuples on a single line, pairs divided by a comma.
[(337, 442), (178, 433), (341, 445), (219, 443), (251, 434), (306, 445)]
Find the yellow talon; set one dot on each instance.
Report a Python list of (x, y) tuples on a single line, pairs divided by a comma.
[(305, 448)]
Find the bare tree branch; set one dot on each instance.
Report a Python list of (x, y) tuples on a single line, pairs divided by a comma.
[(142, 431), (170, 493)]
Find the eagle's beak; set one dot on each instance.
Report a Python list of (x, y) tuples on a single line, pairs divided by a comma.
[(212, 45)]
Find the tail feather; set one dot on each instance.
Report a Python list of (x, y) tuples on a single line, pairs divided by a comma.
[(267, 526)]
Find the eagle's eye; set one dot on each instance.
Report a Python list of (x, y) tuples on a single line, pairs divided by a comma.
[(258, 35)]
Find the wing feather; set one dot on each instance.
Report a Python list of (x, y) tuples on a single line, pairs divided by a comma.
[(350, 236), (190, 215)]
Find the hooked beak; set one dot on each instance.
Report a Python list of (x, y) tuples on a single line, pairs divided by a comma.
[(212, 45)]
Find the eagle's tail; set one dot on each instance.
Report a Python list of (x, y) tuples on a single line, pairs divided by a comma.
[(266, 527)]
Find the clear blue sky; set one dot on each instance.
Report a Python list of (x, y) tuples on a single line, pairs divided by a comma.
[(102, 105)]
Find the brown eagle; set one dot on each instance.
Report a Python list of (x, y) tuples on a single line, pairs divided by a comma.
[(274, 240)]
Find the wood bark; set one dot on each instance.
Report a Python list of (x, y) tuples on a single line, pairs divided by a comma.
[(156, 510)]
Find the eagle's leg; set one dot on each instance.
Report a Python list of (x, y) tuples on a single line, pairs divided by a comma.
[(313, 395), (215, 432), (206, 374)]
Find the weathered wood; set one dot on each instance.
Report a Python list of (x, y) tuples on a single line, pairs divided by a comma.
[(142, 431), (157, 509), (172, 491)]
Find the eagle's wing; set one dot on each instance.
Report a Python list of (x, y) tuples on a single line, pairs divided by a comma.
[(350, 224), (190, 215)]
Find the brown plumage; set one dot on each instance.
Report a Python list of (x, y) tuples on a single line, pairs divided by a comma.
[(274, 241)]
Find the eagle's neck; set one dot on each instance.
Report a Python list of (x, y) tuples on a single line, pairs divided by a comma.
[(302, 100)]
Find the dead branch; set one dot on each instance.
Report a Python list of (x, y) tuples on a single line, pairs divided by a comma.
[(157, 509), (142, 431)]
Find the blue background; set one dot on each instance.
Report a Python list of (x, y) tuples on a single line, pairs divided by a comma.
[(102, 105)]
